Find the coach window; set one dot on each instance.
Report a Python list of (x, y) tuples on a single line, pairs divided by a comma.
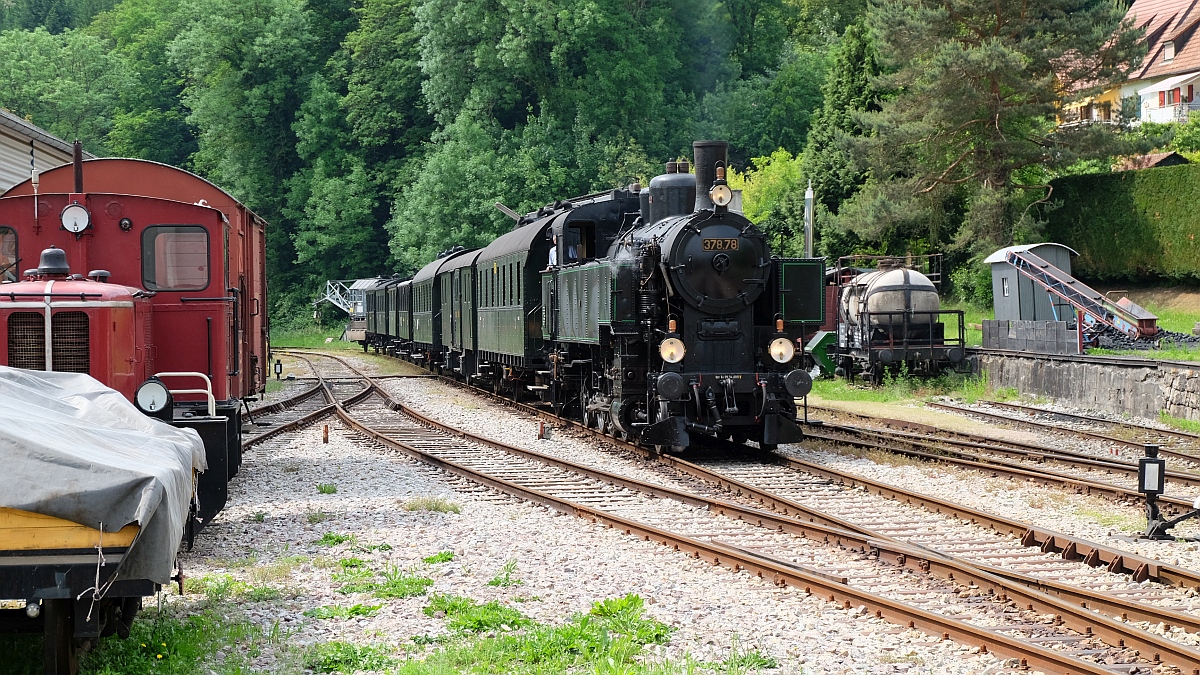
[(175, 258), (8, 255)]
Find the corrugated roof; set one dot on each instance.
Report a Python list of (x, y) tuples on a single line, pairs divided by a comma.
[(36, 133)]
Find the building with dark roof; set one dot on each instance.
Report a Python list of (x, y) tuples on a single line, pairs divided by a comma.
[(25, 146)]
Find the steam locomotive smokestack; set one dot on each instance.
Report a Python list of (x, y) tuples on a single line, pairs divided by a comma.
[(77, 160), (708, 155)]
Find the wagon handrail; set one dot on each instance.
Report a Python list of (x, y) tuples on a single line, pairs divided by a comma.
[(207, 391)]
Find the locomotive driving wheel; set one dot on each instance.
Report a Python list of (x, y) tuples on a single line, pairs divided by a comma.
[(589, 417)]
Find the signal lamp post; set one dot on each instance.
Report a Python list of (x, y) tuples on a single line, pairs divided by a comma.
[(1152, 481)]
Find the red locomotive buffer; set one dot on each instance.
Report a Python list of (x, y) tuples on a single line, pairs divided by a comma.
[(157, 289)]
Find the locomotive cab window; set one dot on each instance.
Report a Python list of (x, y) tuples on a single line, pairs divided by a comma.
[(8, 255), (581, 242), (175, 258)]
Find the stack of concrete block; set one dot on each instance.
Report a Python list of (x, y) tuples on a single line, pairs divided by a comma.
[(1038, 337)]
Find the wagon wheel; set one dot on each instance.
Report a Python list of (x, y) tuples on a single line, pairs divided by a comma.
[(58, 637), (588, 416)]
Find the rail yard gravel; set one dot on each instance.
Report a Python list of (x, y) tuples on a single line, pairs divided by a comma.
[(564, 564), (1080, 515)]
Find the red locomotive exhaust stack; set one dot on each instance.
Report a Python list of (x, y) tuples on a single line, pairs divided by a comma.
[(77, 162)]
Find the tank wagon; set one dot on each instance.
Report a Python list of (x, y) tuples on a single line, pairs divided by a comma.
[(658, 313), (888, 317)]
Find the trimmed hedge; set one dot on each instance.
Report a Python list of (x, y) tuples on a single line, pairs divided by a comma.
[(1130, 225)]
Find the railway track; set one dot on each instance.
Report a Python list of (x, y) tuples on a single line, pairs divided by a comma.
[(375, 416), (1082, 473), (1182, 441), (1169, 446)]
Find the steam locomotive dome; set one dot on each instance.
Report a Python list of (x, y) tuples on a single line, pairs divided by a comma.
[(715, 261), (894, 290)]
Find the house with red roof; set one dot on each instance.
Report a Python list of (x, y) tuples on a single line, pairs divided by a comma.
[(1168, 80)]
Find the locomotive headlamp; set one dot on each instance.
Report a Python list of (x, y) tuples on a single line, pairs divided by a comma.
[(75, 218), (721, 195), (154, 399), (782, 350), (671, 350)]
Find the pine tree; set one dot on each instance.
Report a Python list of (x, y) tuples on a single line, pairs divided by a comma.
[(977, 88), (848, 91)]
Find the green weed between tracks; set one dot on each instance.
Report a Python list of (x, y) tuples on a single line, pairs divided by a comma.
[(505, 578), (484, 638), (1192, 426), (435, 504), (903, 387), (161, 644)]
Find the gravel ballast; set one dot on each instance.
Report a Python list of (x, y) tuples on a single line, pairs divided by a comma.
[(564, 563)]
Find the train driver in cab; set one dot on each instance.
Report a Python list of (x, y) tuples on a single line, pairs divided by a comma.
[(571, 256)]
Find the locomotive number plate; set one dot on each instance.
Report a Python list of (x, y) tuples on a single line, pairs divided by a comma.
[(720, 244)]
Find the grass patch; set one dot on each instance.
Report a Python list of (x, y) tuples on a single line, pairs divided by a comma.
[(316, 517), (355, 580), (608, 639), (397, 584), (352, 563), (1179, 423), (333, 539), (1118, 521), (327, 488), (346, 657), (464, 614), (436, 504), (505, 578), (337, 612), (740, 661), (903, 387), (972, 315), (165, 644), (221, 588), (278, 571), (444, 556)]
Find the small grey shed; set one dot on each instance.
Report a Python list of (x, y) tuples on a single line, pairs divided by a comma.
[(1016, 297)]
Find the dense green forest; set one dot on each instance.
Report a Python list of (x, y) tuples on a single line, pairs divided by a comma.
[(372, 134)]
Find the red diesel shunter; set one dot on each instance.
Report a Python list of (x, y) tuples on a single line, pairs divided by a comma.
[(157, 289)]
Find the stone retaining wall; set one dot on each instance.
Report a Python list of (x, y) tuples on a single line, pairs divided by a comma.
[(1140, 388)]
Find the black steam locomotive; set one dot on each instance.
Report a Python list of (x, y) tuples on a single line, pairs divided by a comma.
[(656, 314)]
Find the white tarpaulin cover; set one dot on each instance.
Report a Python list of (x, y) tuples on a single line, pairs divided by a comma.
[(74, 449)]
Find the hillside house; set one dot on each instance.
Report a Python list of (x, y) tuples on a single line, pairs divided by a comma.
[(1169, 78)]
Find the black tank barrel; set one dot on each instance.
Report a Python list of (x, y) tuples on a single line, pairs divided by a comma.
[(708, 154)]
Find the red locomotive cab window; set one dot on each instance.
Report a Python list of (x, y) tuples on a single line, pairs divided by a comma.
[(175, 258), (8, 255)]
